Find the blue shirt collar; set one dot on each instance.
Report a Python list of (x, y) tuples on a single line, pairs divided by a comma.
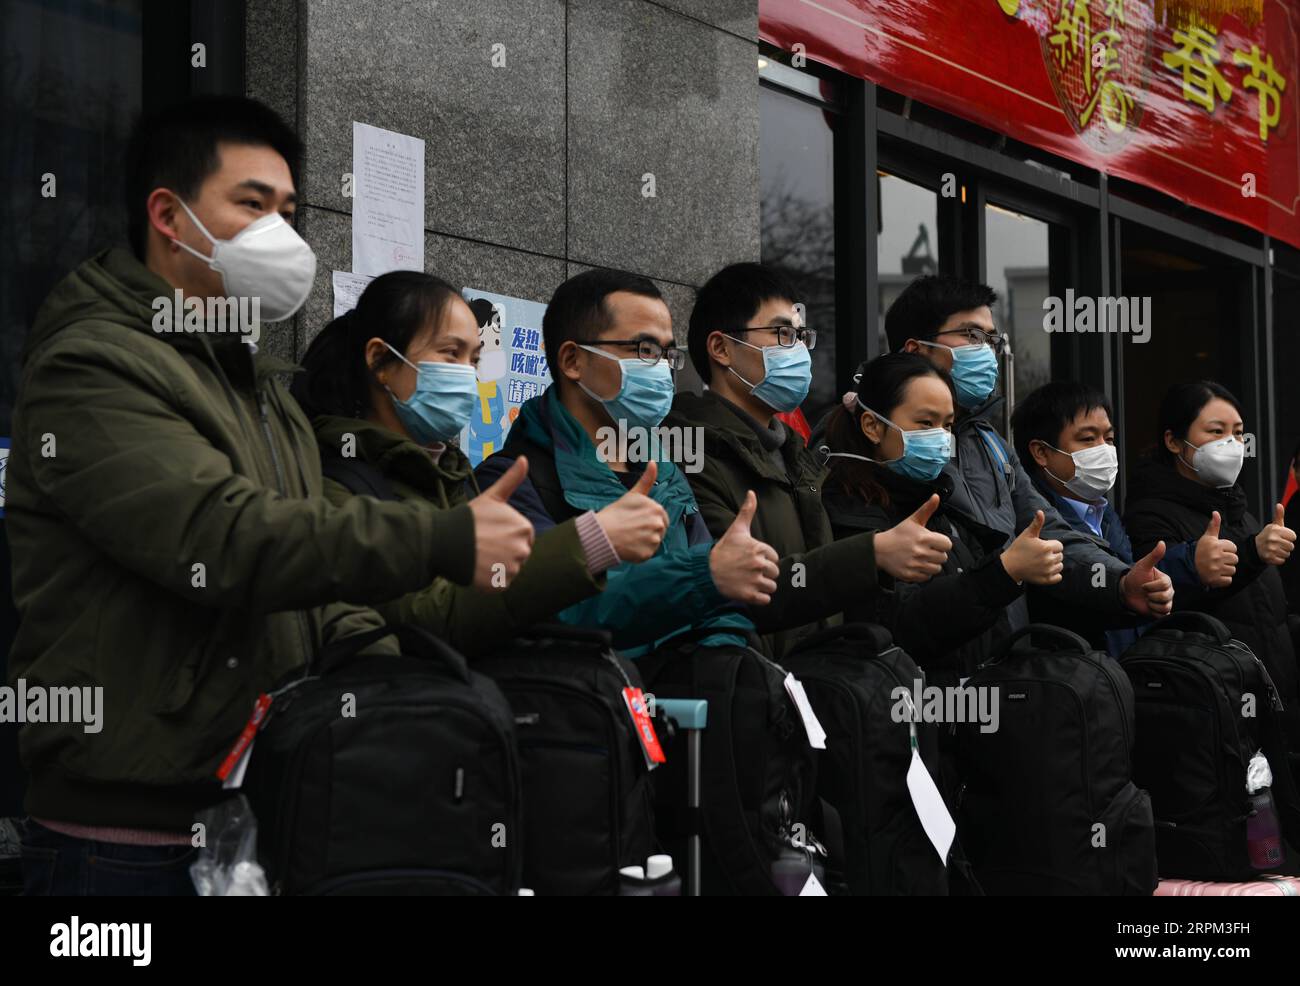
[(1090, 513)]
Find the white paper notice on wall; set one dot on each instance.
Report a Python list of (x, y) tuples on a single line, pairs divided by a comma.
[(347, 289), (388, 200)]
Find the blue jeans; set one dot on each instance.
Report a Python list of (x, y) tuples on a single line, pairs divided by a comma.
[(57, 865)]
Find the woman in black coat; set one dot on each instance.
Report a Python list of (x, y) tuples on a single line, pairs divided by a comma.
[(1175, 495), (887, 451)]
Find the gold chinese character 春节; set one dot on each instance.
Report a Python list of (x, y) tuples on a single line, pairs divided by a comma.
[(1198, 59), (1264, 77)]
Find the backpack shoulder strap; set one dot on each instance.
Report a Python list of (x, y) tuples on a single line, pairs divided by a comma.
[(358, 476), (543, 476), (994, 441)]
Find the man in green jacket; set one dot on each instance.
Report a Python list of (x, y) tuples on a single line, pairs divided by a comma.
[(748, 345), (172, 554)]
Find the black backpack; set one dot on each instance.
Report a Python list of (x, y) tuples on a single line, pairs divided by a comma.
[(1047, 803), (757, 767), (588, 790), (850, 673), (416, 793), (1190, 678)]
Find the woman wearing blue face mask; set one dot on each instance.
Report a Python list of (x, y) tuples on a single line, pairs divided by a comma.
[(887, 446), (389, 388)]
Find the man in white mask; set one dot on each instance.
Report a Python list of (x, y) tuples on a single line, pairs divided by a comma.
[(1065, 438), (171, 547)]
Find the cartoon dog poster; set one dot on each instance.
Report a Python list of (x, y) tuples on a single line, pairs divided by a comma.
[(512, 367)]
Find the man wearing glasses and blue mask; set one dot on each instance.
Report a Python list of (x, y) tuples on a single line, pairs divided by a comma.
[(609, 344), (749, 345), (950, 322)]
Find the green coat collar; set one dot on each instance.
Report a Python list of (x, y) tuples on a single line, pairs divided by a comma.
[(396, 456), (728, 436)]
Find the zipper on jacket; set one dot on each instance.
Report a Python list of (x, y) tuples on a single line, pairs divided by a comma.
[(235, 406), (270, 441), (304, 628)]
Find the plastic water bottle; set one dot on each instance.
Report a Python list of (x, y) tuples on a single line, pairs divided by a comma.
[(659, 874), (1263, 837), (631, 882)]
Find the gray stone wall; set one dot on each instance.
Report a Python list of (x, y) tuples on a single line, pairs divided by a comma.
[(534, 170)]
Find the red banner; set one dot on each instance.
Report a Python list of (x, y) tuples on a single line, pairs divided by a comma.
[(1202, 105)]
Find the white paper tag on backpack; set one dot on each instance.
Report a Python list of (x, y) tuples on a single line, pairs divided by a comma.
[(813, 887), (816, 735), (235, 779), (930, 807)]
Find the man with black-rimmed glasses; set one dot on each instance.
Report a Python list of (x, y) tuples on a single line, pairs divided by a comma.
[(749, 344), (609, 345)]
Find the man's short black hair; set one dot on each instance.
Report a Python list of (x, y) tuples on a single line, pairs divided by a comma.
[(176, 148), (577, 309), (728, 300), (928, 302), (1046, 412)]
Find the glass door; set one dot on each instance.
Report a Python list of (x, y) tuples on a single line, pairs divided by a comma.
[(1017, 265), (1202, 327)]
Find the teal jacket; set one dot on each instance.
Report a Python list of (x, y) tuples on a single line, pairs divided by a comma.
[(643, 604)]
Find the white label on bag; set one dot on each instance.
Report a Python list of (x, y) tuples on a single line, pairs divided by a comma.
[(816, 735), (930, 807), (813, 887), (236, 776)]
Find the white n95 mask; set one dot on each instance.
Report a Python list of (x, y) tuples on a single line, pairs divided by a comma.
[(1095, 470), (1218, 462), (267, 260)]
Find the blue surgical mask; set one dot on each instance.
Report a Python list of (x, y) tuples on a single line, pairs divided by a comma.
[(787, 375), (974, 372), (925, 451), (440, 406), (645, 396)]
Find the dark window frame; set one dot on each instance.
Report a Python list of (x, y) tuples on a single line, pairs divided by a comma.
[(1086, 209)]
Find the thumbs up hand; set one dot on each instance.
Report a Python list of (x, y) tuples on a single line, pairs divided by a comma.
[(1216, 558), (1276, 541), (1031, 559), (1148, 591), (743, 567), (635, 523), (909, 551), (503, 537)]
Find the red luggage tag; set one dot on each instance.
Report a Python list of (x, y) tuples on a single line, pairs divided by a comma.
[(231, 771), (645, 730)]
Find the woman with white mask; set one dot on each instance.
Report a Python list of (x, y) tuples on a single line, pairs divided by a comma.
[(1188, 489)]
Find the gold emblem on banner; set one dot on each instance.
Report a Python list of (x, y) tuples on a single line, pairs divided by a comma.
[(1096, 53)]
